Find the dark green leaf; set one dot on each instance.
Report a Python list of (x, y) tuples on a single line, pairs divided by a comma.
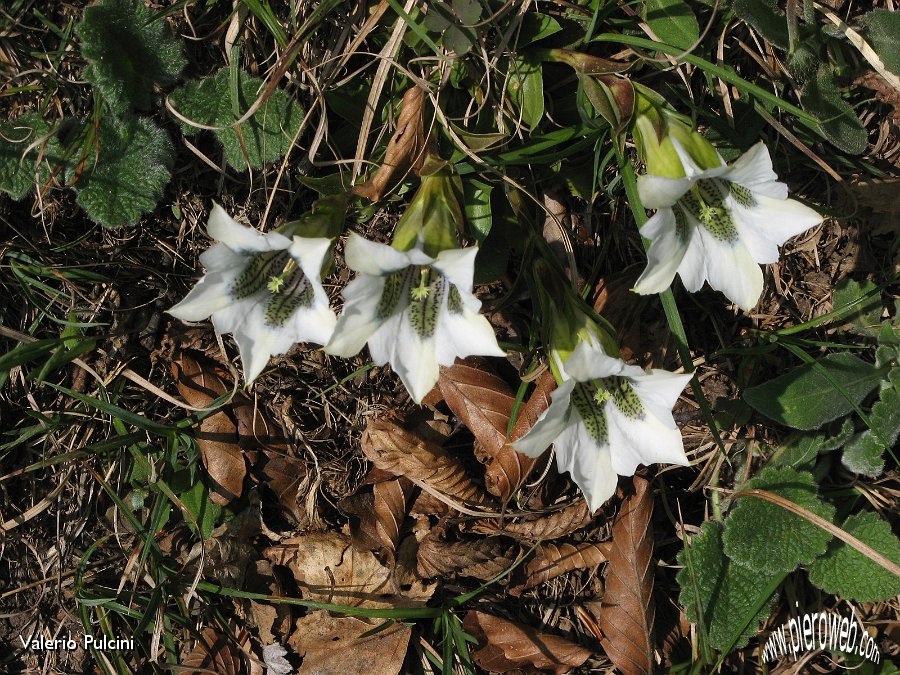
[(766, 18), (205, 511), (718, 594), (536, 27), (526, 89), (846, 572), (866, 315), (263, 138), (130, 174), (802, 447), (837, 120), (882, 29), (28, 153), (803, 398), (127, 53), (673, 21), (767, 538)]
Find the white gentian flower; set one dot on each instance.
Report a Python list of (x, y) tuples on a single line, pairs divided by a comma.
[(263, 288), (416, 312), (718, 224), (606, 418)]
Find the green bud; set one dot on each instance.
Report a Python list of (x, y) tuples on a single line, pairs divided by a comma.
[(434, 217), (326, 218)]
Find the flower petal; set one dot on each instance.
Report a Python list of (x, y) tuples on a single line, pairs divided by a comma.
[(753, 170), (359, 319), (457, 265), (589, 465), (658, 192), (732, 270), (370, 257), (588, 361), (253, 341), (659, 390), (550, 424), (692, 269), (210, 295), (771, 222), (310, 252), (414, 360), (241, 238), (218, 258), (463, 334), (665, 254), (644, 440)]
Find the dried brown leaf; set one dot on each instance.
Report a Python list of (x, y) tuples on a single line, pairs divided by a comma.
[(403, 453), (284, 475), (405, 149), (214, 652), (379, 515), (254, 427), (553, 560), (333, 646), (217, 436), (480, 558), (328, 569), (628, 611), (507, 646), (551, 526), (484, 402)]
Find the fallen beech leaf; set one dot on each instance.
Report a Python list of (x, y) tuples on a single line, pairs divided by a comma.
[(402, 453), (254, 427), (480, 558), (551, 561), (404, 150), (379, 515), (484, 402), (214, 652), (217, 436), (506, 646), (551, 526), (284, 475), (627, 614), (333, 646), (328, 569)]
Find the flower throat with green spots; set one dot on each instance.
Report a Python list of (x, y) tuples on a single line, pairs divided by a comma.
[(590, 398), (286, 286), (422, 289), (706, 203)]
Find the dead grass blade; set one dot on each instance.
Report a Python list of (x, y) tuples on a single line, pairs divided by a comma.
[(506, 646), (405, 150), (479, 558), (627, 615), (217, 436), (403, 453)]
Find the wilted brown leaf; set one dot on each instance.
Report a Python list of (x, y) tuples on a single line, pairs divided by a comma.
[(480, 558), (551, 526), (628, 611), (333, 646), (217, 437), (405, 149), (328, 569), (506, 646), (284, 475), (551, 561), (379, 515), (214, 652), (484, 402), (254, 427), (403, 453)]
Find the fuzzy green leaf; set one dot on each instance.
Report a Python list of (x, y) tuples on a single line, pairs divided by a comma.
[(203, 509), (263, 138), (882, 29), (766, 538), (802, 447), (866, 316), (19, 165), (130, 174), (885, 417), (803, 398), (128, 52), (846, 572), (766, 18), (837, 120), (864, 454), (719, 595), (673, 21)]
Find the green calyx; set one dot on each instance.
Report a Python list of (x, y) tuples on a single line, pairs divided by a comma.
[(326, 218), (434, 217)]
